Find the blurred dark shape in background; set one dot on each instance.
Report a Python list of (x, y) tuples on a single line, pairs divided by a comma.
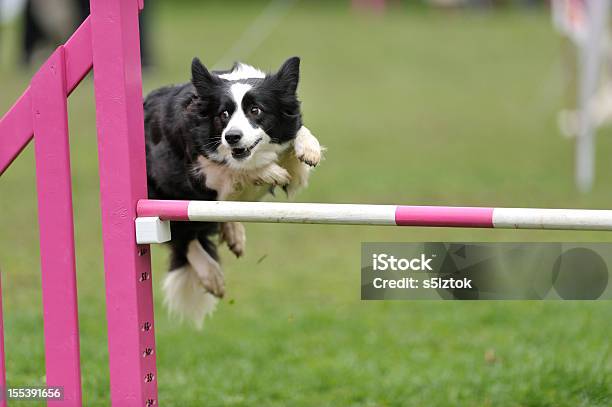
[(49, 23)]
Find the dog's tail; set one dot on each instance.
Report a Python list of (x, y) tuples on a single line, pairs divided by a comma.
[(192, 291)]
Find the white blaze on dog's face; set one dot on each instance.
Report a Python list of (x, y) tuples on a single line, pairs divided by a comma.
[(244, 142), (252, 116)]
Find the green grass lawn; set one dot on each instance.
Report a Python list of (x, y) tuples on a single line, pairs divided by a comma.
[(414, 108)]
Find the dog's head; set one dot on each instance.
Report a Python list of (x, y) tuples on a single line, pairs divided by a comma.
[(246, 117)]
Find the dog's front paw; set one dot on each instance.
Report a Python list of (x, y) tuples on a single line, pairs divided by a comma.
[(307, 147), (274, 175), (234, 235)]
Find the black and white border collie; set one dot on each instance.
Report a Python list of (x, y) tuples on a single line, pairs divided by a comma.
[(232, 135)]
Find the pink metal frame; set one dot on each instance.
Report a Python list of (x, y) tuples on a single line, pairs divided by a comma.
[(108, 41)]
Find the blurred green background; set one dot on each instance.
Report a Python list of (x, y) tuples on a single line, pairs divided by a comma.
[(416, 106)]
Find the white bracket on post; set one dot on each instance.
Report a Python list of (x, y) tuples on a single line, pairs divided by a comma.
[(152, 230)]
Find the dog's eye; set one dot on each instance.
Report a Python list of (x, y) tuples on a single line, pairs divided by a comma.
[(224, 115), (255, 110)]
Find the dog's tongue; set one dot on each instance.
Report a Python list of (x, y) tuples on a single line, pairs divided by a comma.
[(239, 153)]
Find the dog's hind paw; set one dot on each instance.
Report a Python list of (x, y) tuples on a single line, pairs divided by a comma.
[(307, 147), (234, 235), (214, 282), (208, 269)]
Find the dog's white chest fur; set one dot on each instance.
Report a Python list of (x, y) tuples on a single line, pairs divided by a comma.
[(288, 170), (230, 184), (236, 185)]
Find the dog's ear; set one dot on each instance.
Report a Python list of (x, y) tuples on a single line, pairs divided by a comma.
[(201, 78), (289, 74)]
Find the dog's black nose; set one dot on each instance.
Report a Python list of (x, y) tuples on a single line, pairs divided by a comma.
[(233, 136)]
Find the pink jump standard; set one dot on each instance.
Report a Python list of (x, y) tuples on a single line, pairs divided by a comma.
[(123, 181), (57, 259), (2, 359), (108, 40)]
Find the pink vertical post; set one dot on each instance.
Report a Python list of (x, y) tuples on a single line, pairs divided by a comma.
[(59, 288), (123, 181), (2, 365)]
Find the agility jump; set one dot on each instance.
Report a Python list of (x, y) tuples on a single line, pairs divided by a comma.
[(356, 214), (108, 42)]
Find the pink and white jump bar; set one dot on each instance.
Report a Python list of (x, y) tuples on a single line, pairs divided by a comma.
[(152, 213)]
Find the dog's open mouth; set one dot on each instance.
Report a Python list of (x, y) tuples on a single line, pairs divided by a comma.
[(242, 153)]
